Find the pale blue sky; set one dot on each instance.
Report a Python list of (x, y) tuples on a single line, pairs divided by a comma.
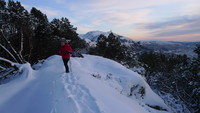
[(176, 20)]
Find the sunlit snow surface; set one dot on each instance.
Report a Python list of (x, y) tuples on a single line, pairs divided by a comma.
[(94, 85)]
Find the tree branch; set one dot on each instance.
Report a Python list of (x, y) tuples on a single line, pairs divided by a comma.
[(13, 64), (8, 52), (22, 42), (7, 73), (8, 43), (8, 61), (31, 48), (21, 46), (2, 67)]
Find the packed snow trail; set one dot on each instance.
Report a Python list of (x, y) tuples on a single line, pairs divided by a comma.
[(46, 91), (50, 90)]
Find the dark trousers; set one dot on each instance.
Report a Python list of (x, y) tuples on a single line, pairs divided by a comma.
[(65, 61)]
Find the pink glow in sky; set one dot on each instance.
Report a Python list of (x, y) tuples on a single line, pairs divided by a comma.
[(174, 20)]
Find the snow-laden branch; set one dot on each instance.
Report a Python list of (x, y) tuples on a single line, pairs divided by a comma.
[(2, 68), (21, 46), (22, 43), (8, 43), (8, 61), (8, 52), (7, 73)]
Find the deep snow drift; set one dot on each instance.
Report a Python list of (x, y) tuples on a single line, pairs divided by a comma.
[(95, 85)]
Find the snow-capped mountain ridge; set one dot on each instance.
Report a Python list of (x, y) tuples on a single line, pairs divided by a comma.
[(93, 35), (168, 47)]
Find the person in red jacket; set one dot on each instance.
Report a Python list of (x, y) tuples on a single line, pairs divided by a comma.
[(65, 51)]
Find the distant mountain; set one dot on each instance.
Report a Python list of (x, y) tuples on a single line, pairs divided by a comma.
[(93, 35), (179, 48), (168, 47)]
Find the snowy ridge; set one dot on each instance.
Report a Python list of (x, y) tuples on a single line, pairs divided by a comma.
[(95, 85), (93, 35)]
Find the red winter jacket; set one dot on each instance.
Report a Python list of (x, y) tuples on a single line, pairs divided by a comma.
[(65, 51)]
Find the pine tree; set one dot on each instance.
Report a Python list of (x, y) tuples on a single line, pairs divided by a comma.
[(196, 62), (101, 45), (111, 47), (2, 5), (197, 51), (39, 16), (62, 28), (114, 47)]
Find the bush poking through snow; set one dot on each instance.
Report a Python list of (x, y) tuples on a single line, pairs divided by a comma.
[(96, 76)]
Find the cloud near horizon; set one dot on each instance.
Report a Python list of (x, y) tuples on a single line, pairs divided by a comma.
[(177, 28)]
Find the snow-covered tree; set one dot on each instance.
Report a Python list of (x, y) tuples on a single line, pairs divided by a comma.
[(173, 74)]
